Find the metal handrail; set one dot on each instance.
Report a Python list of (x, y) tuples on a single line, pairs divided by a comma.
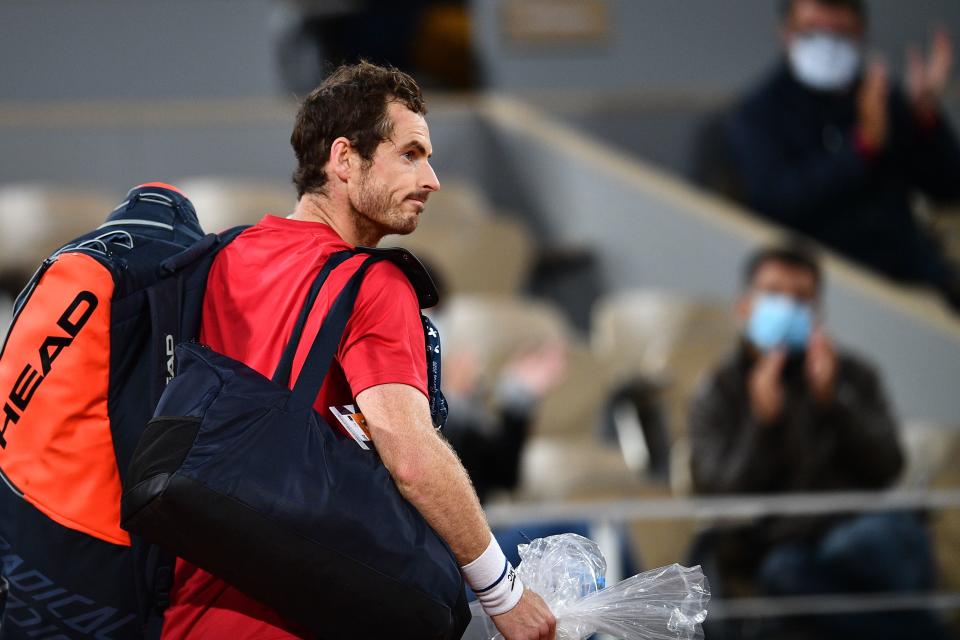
[(740, 608), (608, 513), (737, 507)]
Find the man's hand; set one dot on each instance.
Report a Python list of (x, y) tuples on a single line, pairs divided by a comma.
[(461, 373), (765, 388), (538, 370), (531, 619), (927, 79), (872, 116), (821, 368)]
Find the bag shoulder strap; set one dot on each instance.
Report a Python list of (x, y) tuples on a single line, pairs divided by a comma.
[(282, 374), (327, 340)]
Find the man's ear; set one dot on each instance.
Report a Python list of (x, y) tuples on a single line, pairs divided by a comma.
[(341, 157)]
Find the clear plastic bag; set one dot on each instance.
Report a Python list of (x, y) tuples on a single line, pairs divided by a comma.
[(568, 572)]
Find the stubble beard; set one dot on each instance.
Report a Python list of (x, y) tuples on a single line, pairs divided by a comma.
[(376, 214)]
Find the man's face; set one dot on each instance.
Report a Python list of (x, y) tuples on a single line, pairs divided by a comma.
[(779, 278), (809, 16), (391, 191)]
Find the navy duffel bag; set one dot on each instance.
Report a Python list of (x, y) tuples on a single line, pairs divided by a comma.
[(239, 475)]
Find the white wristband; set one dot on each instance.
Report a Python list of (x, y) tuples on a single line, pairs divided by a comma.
[(494, 580)]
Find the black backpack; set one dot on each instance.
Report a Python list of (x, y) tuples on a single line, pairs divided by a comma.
[(87, 355)]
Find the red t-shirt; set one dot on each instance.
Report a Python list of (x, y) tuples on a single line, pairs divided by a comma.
[(255, 290)]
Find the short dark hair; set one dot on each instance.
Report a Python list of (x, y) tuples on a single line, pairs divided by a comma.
[(857, 6), (351, 102), (794, 253)]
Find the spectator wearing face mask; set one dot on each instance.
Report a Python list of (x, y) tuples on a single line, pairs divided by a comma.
[(829, 146), (790, 412)]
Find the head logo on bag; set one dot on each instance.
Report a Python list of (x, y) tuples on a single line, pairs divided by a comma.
[(170, 344), (27, 383)]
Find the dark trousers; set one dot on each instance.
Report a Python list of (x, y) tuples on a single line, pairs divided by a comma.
[(887, 552)]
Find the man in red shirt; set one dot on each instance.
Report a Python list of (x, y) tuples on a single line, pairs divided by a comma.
[(363, 149)]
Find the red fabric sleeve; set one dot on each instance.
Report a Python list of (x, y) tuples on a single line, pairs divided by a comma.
[(383, 342)]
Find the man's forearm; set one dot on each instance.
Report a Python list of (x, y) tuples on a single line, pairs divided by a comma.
[(441, 491), (429, 475)]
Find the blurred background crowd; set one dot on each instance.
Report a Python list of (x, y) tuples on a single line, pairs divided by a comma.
[(692, 253)]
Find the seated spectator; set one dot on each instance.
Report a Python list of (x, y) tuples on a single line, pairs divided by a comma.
[(828, 146), (488, 428), (790, 412), (489, 424), (489, 436)]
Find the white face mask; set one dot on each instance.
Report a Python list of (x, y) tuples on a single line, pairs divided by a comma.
[(824, 61)]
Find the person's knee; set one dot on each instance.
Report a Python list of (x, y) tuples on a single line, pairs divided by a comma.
[(879, 551), (865, 538), (787, 570)]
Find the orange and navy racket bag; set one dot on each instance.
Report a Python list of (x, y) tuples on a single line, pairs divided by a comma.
[(87, 355)]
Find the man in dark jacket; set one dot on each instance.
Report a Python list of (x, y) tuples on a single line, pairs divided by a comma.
[(790, 413), (826, 146)]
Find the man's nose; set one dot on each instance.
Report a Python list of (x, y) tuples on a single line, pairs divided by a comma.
[(430, 182)]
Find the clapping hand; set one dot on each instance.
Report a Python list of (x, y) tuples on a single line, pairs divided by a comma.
[(765, 387), (926, 82), (821, 368), (872, 105), (927, 78)]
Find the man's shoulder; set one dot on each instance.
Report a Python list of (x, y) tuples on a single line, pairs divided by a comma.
[(766, 96), (725, 378), (385, 280), (856, 366), (266, 243)]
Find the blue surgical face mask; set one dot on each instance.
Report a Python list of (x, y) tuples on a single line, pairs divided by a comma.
[(779, 321), (824, 61)]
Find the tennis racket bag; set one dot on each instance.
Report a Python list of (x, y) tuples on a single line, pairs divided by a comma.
[(238, 474), (87, 355)]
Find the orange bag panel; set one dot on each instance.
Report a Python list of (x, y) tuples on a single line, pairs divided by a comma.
[(55, 441)]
